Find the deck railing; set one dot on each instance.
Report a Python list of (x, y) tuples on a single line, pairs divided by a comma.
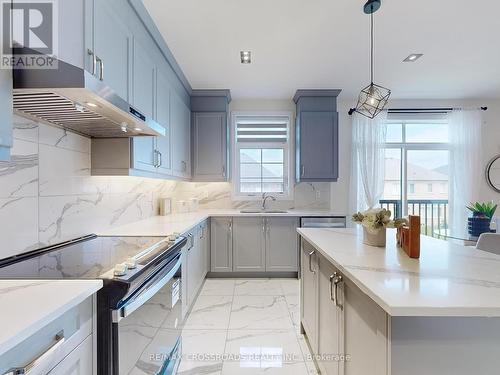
[(434, 213)]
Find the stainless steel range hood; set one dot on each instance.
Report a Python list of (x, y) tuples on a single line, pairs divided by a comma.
[(72, 98)]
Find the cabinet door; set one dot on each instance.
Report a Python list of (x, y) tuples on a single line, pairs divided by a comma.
[(318, 146), (143, 77), (78, 362), (195, 270), (209, 146), (248, 244), (163, 145), (309, 294), (112, 44), (281, 244), (329, 336), (205, 240), (143, 153), (365, 333), (180, 123), (221, 249)]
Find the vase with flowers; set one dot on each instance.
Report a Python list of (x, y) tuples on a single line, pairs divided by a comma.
[(375, 221)]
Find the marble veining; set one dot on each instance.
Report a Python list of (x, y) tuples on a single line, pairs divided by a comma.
[(447, 280), (263, 342), (37, 304)]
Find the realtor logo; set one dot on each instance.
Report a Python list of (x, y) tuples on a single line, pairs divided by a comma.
[(29, 34)]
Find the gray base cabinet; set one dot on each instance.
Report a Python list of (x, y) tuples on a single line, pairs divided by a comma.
[(73, 332), (345, 328), (281, 244), (254, 245), (197, 260), (221, 248), (249, 249), (309, 295), (330, 320)]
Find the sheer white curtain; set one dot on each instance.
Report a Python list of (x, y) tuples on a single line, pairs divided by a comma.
[(466, 164), (368, 161)]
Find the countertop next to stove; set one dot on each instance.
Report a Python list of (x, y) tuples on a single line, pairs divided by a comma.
[(27, 306), (180, 223)]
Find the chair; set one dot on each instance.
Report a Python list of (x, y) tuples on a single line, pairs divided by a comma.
[(489, 242)]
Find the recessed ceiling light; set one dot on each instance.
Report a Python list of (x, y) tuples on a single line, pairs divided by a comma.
[(246, 57), (413, 57), (138, 129), (90, 104)]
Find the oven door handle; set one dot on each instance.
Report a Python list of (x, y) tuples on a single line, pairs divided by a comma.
[(145, 295)]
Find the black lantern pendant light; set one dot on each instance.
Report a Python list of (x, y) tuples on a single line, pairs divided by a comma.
[(373, 98)]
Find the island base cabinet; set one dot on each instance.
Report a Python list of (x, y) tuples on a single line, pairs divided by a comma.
[(309, 295), (364, 327), (330, 321), (445, 345)]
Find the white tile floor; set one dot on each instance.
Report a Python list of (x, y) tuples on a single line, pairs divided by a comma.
[(246, 326)]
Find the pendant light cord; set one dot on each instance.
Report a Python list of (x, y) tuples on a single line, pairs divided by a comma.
[(371, 50)]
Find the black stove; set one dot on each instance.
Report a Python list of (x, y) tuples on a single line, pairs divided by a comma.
[(132, 268)]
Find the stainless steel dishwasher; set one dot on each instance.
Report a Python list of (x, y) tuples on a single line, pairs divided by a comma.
[(323, 222)]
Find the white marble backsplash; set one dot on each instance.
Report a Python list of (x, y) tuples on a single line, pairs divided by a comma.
[(47, 194)]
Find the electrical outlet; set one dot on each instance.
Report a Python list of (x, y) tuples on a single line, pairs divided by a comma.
[(318, 195)]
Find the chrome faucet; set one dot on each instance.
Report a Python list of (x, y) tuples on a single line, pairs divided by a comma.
[(264, 200)]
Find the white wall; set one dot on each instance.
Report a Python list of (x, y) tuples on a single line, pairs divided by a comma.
[(490, 140)]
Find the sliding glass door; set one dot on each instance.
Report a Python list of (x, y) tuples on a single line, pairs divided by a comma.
[(417, 170)]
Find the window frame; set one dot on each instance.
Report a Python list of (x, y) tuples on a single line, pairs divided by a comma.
[(288, 160), (404, 146)]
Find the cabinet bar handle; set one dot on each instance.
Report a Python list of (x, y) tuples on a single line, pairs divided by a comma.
[(263, 226), (332, 278), (337, 281), (302, 170), (94, 61), (160, 162), (101, 70), (26, 370), (223, 171), (310, 262)]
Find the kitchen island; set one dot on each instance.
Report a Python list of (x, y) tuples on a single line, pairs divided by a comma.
[(376, 311)]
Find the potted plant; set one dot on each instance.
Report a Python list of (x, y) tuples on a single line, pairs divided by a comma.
[(375, 221), (480, 222)]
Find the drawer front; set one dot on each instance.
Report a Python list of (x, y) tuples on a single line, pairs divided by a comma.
[(78, 362), (48, 346)]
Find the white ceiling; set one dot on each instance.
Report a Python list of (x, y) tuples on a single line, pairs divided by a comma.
[(325, 44)]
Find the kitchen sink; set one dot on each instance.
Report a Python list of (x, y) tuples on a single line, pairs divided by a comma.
[(256, 211)]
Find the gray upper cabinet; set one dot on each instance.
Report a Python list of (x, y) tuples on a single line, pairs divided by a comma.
[(109, 57), (180, 120), (221, 244), (134, 65), (281, 244), (249, 244), (317, 135), (210, 134)]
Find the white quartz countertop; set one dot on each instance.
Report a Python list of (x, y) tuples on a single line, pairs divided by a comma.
[(27, 306), (447, 280), (183, 222)]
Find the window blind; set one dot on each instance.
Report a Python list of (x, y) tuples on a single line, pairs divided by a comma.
[(262, 129)]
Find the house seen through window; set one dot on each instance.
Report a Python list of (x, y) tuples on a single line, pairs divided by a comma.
[(261, 155), (417, 169)]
